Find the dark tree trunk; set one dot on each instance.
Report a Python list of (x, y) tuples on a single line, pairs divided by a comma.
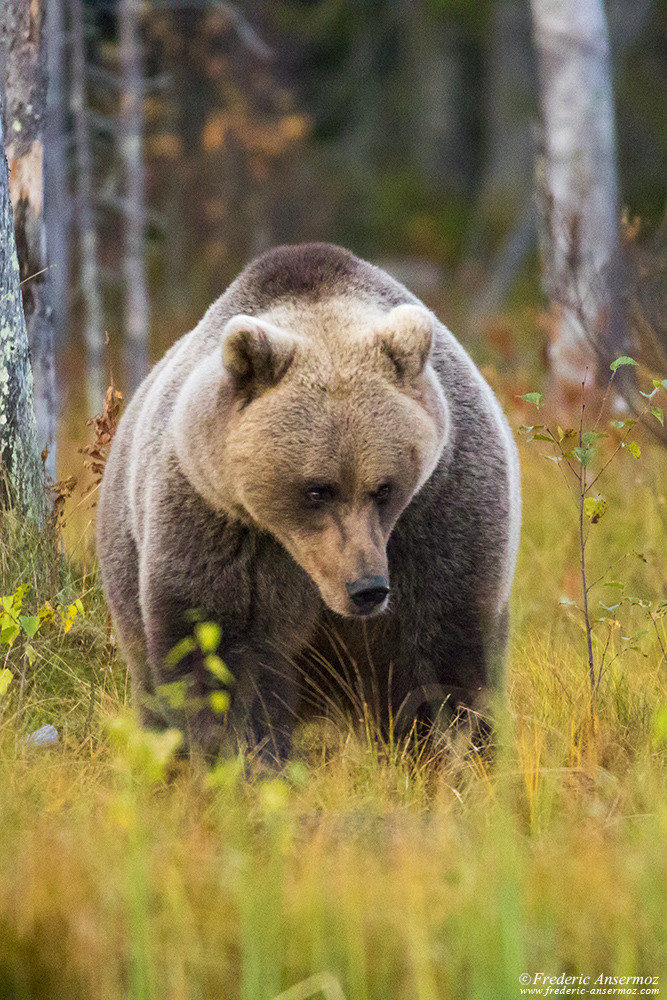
[(25, 89)]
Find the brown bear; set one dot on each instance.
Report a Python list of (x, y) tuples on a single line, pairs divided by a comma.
[(317, 467)]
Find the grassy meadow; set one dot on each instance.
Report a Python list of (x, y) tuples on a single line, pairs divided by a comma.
[(418, 871)]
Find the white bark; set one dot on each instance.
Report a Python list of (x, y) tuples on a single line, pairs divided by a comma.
[(20, 463), (90, 281), (25, 89), (580, 180), (131, 143)]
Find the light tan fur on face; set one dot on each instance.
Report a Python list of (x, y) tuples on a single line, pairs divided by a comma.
[(350, 403)]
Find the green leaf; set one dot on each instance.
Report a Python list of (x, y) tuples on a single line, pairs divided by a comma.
[(173, 693), (31, 653), (535, 398), (595, 508), (590, 437), (657, 413), (542, 437), (5, 681), (622, 361), (30, 624), (227, 774), (219, 701), (297, 772), (46, 613), (208, 636), (633, 448), (147, 754), (274, 795), (615, 583), (12, 603), (219, 669), (660, 725), (584, 456), (9, 633), (180, 651)]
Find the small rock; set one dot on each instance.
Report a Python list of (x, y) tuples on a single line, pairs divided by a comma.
[(45, 736)]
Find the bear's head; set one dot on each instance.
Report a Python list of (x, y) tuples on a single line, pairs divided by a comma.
[(321, 440)]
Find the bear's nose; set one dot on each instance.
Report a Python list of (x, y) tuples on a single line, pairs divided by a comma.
[(368, 591)]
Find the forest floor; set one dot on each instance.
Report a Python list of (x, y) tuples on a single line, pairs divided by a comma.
[(410, 872)]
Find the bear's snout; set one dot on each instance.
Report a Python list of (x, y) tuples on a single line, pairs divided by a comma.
[(368, 592)]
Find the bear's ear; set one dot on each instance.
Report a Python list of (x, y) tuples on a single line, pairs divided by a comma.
[(256, 353), (406, 336)]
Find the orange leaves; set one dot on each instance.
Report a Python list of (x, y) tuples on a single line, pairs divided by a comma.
[(165, 145), (105, 425), (269, 139)]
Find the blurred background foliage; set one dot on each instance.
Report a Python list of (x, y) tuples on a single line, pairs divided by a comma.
[(404, 130)]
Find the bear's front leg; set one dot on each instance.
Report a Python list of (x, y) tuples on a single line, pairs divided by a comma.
[(183, 687), (259, 652), (263, 707)]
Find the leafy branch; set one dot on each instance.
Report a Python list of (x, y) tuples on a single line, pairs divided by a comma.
[(576, 450)]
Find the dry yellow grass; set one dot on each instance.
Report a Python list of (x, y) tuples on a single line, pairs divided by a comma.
[(408, 872)]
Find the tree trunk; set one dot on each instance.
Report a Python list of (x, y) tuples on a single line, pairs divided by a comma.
[(20, 466), (131, 131), (57, 203), (502, 229), (509, 100), (434, 76), (90, 283), (579, 196), (25, 84)]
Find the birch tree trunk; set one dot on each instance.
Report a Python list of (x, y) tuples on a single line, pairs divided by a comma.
[(131, 143), (20, 466), (85, 216), (25, 90), (580, 187)]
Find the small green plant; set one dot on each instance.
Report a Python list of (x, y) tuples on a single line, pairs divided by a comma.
[(577, 452), (18, 633), (202, 679), (145, 755)]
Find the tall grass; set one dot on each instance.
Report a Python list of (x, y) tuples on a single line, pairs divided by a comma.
[(414, 872)]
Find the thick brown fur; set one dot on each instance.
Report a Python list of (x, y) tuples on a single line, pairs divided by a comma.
[(314, 370)]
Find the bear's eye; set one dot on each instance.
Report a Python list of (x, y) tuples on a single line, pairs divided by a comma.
[(317, 496), (381, 494)]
